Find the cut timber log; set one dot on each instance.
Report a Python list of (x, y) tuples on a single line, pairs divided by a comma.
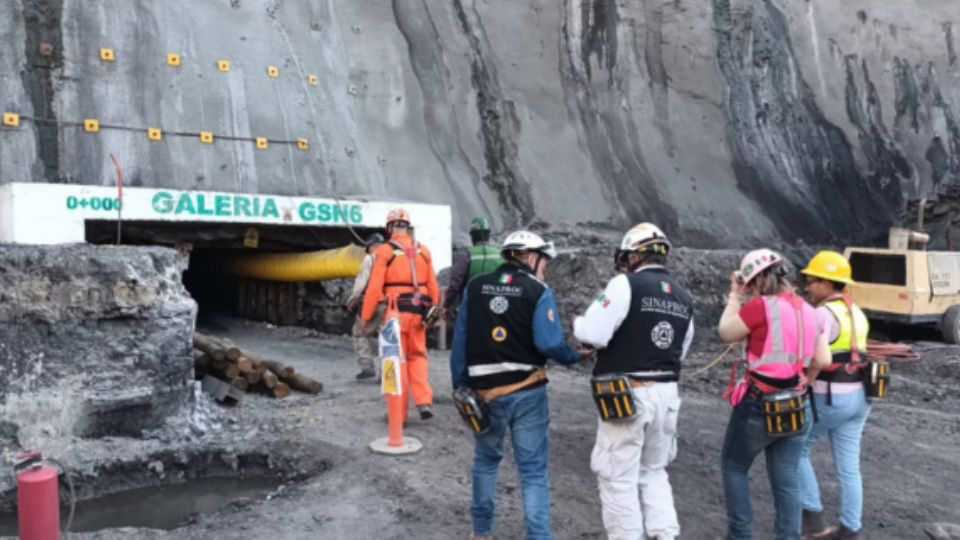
[(255, 375), (231, 372), (281, 390), (230, 349), (210, 346), (281, 370), (240, 383), (244, 364), (303, 383), (269, 379)]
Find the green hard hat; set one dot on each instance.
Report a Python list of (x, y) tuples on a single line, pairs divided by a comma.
[(480, 224)]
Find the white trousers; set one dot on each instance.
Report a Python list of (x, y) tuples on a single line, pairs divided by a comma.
[(630, 460)]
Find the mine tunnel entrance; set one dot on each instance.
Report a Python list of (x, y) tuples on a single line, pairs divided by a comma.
[(214, 247)]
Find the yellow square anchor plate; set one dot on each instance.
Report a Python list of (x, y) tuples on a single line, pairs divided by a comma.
[(273, 72), (107, 55), (154, 134), (173, 59), (11, 119), (262, 143), (313, 80), (206, 137), (91, 125), (303, 144), (223, 65)]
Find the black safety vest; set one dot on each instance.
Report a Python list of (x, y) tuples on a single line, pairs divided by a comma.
[(649, 342), (500, 347)]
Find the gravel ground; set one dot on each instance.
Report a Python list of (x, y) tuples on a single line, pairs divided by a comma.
[(909, 459)]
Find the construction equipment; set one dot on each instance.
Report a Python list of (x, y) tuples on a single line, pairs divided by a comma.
[(904, 283)]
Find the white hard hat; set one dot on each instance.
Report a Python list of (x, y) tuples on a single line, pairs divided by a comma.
[(642, 235), (757, 261), (527, 241)]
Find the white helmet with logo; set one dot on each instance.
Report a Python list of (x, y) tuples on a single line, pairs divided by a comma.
[(757, 261), (527, 241), (642, 236)]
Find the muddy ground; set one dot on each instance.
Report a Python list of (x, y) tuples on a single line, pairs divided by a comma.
[(910, 455)]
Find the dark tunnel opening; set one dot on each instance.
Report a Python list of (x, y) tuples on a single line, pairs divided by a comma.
[(212, 246)]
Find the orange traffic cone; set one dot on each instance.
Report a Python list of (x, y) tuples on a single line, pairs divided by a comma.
[(396, 387)]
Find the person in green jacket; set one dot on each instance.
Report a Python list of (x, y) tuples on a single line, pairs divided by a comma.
[(477, 260)]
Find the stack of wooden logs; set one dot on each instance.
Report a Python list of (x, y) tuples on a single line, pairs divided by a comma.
[(246, 371)]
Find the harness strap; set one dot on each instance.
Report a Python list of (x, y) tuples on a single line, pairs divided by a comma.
[(411, 254)]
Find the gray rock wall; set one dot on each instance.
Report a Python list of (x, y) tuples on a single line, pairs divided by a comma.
[(93, 341), (730, 121)]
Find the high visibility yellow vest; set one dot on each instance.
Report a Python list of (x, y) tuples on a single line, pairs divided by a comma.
[(843, 345)]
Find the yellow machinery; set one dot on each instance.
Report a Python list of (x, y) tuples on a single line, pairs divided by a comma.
[(906, 284)]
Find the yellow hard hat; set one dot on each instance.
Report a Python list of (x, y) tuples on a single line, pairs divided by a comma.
[(829, 265)]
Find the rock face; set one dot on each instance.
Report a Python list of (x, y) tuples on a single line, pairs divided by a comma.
[(94, 341), (726, 121)]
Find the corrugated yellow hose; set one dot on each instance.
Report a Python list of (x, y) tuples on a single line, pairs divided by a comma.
[(313, 266)]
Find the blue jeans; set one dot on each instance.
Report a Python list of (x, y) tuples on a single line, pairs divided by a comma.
[(746, 437), (843, 422), (527, 415)]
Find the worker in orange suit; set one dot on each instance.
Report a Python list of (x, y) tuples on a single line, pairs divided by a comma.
[(403, 275)]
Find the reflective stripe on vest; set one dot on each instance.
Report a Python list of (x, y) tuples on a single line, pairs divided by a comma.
[(503, 367), (775, 348), (850, 325)]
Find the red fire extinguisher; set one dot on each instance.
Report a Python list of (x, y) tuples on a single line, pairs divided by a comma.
[(38, 498)]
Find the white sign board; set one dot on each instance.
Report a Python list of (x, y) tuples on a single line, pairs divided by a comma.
[(944, 273), (36, 213)]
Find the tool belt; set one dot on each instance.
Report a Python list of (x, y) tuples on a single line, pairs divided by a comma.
[(414, 303), (876, 378), (840, 376), (613, 394), (783, 412), (474, 411), (537, 378)]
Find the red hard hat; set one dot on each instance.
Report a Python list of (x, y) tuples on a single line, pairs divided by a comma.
[(398, 214)]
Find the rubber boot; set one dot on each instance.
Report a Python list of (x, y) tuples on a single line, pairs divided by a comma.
[(815, 526)]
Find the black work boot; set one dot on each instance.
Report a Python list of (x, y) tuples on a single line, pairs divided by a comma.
[(426, 412), (366, 374), (814, 526)]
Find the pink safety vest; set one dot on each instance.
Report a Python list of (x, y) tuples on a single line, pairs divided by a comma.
[(792, 331)]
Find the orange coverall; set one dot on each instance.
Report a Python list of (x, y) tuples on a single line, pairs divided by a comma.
[(389, 279)]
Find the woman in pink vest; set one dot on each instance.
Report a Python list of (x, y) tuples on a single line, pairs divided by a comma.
[(785, 346)]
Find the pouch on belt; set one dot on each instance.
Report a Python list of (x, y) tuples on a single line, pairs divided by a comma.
[(783, 413), (876, 379), (613, 395), (474, 411)]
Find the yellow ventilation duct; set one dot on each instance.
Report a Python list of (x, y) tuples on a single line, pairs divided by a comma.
[(313, 266)]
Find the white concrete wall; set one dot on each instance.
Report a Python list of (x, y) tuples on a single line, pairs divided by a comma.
[(35, 213)]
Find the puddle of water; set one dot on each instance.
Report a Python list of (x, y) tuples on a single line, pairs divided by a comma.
[(161, 507)]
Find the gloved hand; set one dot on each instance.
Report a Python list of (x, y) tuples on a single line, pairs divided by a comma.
[(352, 307)]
